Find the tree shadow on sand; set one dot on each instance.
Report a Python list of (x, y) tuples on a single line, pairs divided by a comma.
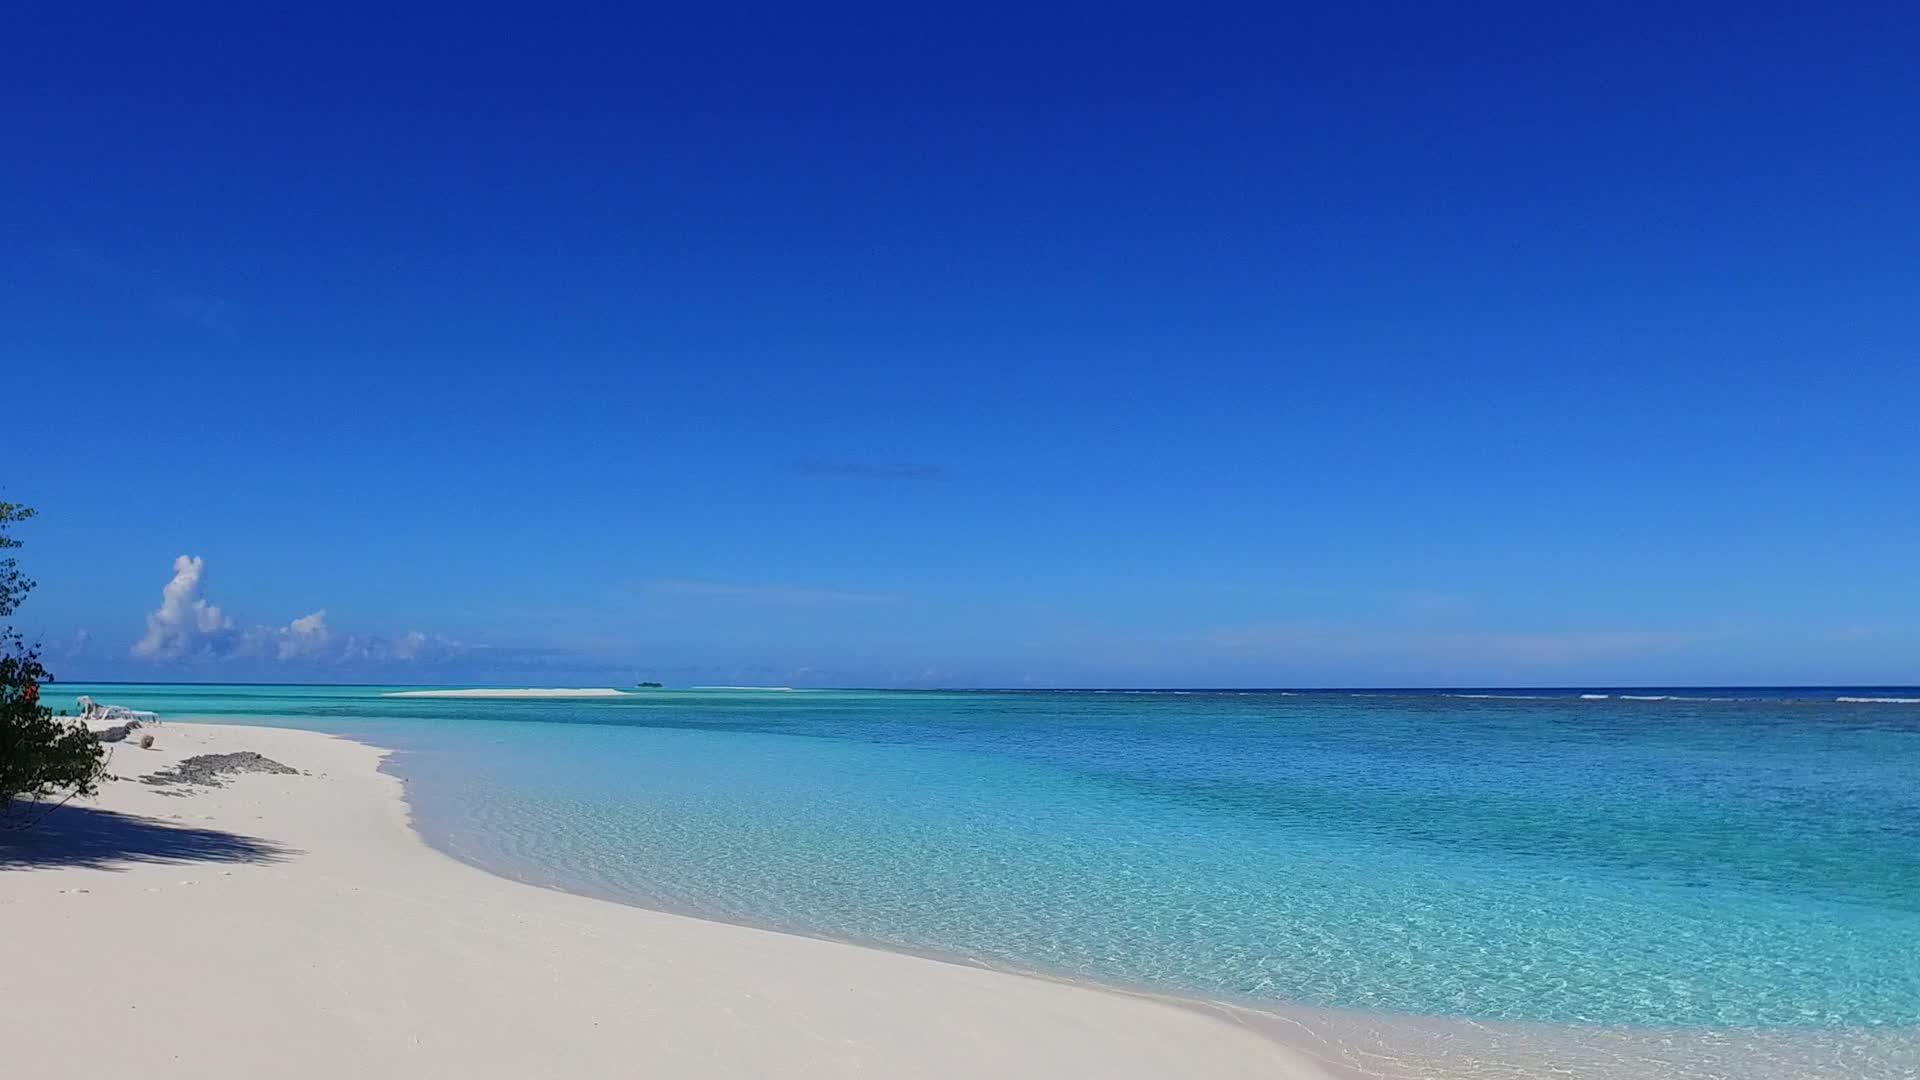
[(104, 840)]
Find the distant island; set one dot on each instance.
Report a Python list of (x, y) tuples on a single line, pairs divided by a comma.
[(494, 692), (648, 685)]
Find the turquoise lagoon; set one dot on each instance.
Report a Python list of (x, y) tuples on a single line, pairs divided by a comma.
[(1673, 859)]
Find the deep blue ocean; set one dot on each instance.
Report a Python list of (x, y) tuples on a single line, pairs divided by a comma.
[(1668, 858)]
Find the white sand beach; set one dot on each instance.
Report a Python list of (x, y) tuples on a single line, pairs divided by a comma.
[(296, 926), (525, 692)]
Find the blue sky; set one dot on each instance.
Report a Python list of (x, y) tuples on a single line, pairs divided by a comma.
[(1073, 345)]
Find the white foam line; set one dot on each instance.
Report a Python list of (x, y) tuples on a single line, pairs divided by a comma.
[(1878, 700)]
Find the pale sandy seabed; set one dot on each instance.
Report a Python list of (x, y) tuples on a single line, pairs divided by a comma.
[(296, 925)]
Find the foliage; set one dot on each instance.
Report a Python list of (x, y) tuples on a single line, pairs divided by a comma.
[(13, 586), (40, 757)]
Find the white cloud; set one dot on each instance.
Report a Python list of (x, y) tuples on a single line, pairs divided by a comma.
[(411, 647), (187, 627), (185, 624), (304, 636), (71, 649)]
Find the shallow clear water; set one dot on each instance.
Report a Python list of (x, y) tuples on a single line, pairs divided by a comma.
[(1674, 863)]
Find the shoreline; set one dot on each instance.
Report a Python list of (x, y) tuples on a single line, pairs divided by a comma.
[(1351, 1044), (378, 847), (299, 925)]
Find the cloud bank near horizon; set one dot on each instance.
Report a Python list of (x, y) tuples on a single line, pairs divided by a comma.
[(696, 631), (189, 627)]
